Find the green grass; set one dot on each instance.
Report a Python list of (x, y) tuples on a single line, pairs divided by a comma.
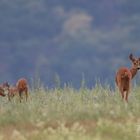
[(70, 114)]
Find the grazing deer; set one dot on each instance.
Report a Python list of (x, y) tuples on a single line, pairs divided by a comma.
[(22, 87), (125, 75)]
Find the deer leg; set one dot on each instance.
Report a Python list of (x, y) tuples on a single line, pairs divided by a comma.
[(126, 96), (127, 92), (9, 97), (122, 93), (26, 93), (120, 88), (20, 96)]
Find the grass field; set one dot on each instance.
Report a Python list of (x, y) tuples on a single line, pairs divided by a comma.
[(70, 114)]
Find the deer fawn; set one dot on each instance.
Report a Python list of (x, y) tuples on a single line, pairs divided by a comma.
[(22, 87), (125, 75)]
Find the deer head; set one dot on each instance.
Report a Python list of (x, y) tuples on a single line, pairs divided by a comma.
[(135, 61), (6, 87)]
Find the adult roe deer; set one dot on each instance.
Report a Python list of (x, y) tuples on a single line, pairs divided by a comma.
[(22, 87), (125, 75)]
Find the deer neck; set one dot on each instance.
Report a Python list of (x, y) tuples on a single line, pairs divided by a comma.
[(133, 72)]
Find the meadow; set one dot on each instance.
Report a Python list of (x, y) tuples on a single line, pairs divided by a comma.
[(71, 114)]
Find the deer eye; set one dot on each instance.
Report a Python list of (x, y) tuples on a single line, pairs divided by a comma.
[(135, 63)]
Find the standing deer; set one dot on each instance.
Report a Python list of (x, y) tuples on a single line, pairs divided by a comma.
[(22, 87), (125, 75)]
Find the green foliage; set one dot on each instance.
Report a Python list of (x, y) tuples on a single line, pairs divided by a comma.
[(70, 114)]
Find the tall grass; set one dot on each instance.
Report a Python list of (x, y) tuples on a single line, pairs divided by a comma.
[(71, 114)]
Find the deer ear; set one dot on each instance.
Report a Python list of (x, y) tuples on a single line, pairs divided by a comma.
[(131, 57)]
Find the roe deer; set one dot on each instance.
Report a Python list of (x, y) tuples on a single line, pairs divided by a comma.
[(22, 87), (125, 75)]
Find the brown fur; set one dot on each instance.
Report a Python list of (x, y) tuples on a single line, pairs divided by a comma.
[(124, 76), (13, 91), (22, 87), (2, 92)]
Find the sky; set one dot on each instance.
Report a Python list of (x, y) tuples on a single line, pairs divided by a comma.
[(69, 38)]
